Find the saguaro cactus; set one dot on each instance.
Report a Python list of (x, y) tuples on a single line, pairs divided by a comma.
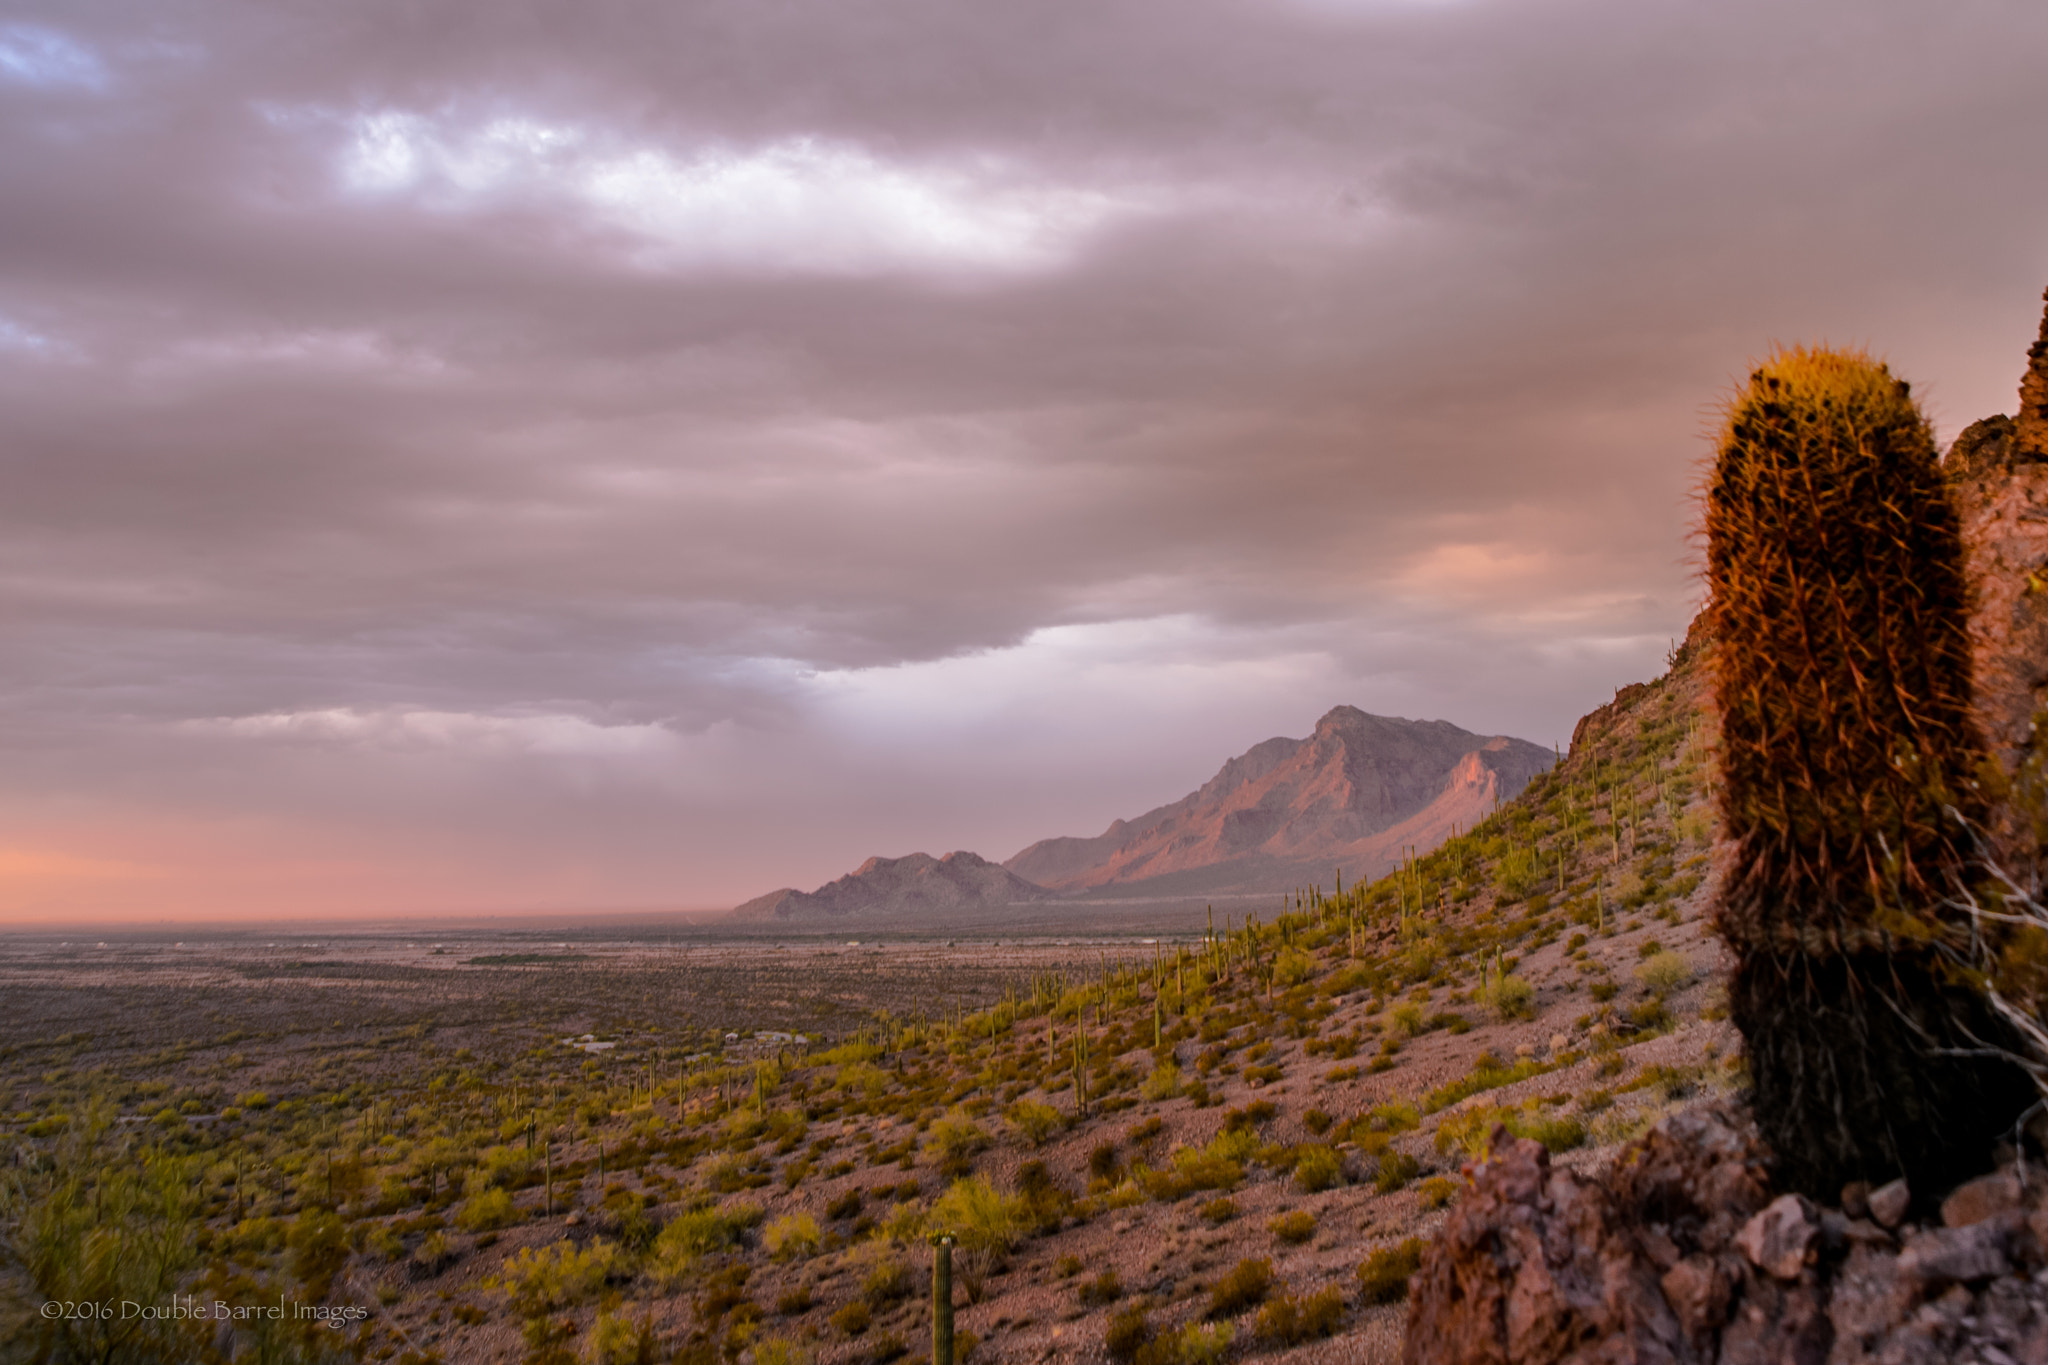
[(1840, 611)]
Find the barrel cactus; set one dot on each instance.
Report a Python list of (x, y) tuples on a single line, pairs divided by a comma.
[(1841, 608)]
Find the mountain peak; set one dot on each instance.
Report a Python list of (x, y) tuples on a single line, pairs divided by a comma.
[(1288, 811)]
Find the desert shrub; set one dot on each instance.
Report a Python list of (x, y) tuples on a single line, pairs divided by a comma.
[(845, 1206), (887, 1281), (1103, 1164), (1251, 1117), (852, 1318), (616, 1339), (1244, 1287), (486, 1210), (1036, 1121), (1293, 1228), (1220, 1210), (1317, 1168), (791, 1237), (953, 1139), (1317, 1122), (1383, 1276), (1068, 1266), (1650, 1016), (1603, 990), (699, 1232), (1127, 1332), (1291, 1319), (794, 1301), (1163, 1083), (1395, 1116), (319, 1247), (1396, 1170), (1437, 1192), (780, 1351), (1293, 967), (987, 1222), (1472, 1130), (433, 1254), (1198, 1343), (1512, 998), (1105, 1288), (1663, 973), (543, 1280)]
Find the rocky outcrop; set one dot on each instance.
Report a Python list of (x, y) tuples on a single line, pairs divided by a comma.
[(1350, 797), (1998, 469), (1678, 1253), (2030, 428), (918, 887)]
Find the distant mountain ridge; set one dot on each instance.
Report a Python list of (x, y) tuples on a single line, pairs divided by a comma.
[(917, 886), (1293, 811), (1286, 812)]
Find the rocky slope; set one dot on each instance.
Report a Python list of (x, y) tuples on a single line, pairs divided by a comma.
[(1676, 1249), (919, 887), (1293, 812)]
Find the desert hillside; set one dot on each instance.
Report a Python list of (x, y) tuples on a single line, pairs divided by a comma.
[(1222, 1144)]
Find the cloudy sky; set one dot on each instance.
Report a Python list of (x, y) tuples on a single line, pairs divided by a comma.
[(544, 456)]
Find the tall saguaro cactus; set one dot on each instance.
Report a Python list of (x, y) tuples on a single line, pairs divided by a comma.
[(1840, 611)]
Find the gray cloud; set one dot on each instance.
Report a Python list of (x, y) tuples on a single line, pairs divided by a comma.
[(642, 454)]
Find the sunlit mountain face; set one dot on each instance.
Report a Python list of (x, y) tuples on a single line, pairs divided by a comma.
[(628, 456)]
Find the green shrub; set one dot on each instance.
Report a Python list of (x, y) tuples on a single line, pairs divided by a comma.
[(557, 1276), (888, 1280), (1219, 1211), (1663, 973), (780, 1351), (1383, 1276), (794, 1301), (791, 1237), (487, 1210), (1293, 967), (1243, 1288), (1197, 1343), (845, 1206), (1293, 1228), (1317, 1168), (852, 1318), (1291, 1320), (1105, 1288), (1127, 1332), (1512, 998), (983, 1218), (1163, 1083), (1437, 1192), (953, 1139), (1036, 1121), (616, 1339), (1396, 1170)]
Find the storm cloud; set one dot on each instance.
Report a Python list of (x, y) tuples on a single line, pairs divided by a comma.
[(546, 456)]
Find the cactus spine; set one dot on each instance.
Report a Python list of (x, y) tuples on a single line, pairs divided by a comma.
[(1840, 611)]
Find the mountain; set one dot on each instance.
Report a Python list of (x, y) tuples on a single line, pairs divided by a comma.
[(1295, 811), (919, 886)]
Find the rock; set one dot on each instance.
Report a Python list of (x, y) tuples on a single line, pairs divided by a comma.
[(1856, 1198), (1534, 1264), (1780, 1240), (1558, 1042), (1950, 1255), (1699, 1289), (1975, 1200), (1889, 1202)]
